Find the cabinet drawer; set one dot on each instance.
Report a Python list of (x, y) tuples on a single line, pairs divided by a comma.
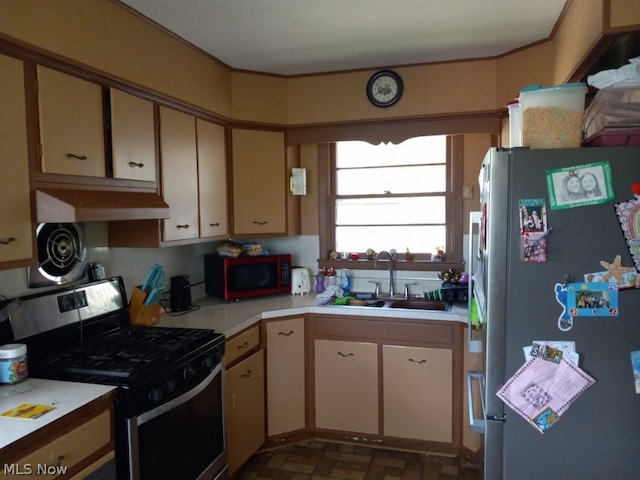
[(69, 449), (241, 344), (421, 332)]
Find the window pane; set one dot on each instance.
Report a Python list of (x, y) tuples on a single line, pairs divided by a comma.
[(416, 238), (377, 181), (390, 211), (414, 151)]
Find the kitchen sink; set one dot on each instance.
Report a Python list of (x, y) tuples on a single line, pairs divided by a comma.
[(407, 303), (418, 304)]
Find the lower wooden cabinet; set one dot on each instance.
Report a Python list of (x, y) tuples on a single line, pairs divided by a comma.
[(67, 451), (285, 376), (346, 386), (245, 412), (418, 392)]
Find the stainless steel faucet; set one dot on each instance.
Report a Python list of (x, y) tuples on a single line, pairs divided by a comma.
[(391, 268)]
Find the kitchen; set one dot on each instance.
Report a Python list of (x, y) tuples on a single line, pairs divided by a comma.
[(243, 100)]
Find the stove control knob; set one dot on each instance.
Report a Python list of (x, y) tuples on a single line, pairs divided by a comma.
[(208, 361), (155, 394), (189, 372), (170, 385)]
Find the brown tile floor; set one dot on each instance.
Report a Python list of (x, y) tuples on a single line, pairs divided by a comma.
[(319, 460)]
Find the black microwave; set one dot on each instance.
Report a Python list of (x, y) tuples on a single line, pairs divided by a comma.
[(234, 278)]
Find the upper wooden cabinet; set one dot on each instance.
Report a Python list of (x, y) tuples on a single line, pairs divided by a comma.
[(16, 232), (71, 126), (179, 163), (259, 182), (132, 137), (212, 179)]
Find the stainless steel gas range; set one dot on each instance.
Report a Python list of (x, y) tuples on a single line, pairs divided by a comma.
[(169, 414)]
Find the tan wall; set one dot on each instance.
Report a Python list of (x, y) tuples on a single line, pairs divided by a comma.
[(577, 35), (259, 98), (108, 38), (428, 90), (624, 13), (309, 202)]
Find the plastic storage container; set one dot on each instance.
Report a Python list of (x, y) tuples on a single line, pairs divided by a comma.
[(13, 363), (552, 117), (515, 123)]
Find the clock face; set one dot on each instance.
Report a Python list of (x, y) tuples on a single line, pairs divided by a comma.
[(384, 88)]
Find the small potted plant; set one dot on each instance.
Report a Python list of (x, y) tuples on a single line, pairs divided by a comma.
[(408, 255)]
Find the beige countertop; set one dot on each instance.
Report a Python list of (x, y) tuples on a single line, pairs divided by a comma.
[(232, 317), (65, 397)]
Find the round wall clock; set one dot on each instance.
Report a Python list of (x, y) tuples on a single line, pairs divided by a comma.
[(384, 88)]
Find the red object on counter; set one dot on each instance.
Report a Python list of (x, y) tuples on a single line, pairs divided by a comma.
[(355, 256)]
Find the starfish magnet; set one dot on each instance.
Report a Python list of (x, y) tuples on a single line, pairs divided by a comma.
[(615, 270)]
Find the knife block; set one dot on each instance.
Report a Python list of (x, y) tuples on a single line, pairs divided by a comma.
[(139, 314)]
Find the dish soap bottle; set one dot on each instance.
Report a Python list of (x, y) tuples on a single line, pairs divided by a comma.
[(346, 282)]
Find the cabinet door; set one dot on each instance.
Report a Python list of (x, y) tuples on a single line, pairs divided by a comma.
[(418, 393), (69, 449), (212, 179), (71, 127), (259, 186), (346, 386), (285, 376), (179, 174), (132, 137), (245, 409), (16, 232)]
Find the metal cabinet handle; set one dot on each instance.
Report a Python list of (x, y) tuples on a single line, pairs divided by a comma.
[(214, 224), (416, 362), (244, 345), (183, 226), (260, 223), (290, 332), (7, 241), (134, 164), (343, 355), (79, 157), (246, 375)]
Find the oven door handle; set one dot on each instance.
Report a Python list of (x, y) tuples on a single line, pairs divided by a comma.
[(185, 397)]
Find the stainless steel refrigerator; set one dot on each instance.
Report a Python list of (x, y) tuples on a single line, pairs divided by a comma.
[(598, 436)]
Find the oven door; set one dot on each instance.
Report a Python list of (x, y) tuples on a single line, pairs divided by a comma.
[(182, 439)]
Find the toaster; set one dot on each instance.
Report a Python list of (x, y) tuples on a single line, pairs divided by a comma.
[(300, 282)]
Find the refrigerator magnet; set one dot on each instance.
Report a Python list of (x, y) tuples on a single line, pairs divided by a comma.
[(629, 217), (533, 216), (565, 320), (580, 185), (592, 299)]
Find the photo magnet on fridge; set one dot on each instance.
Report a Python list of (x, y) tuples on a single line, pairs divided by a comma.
[(580, 185), (592, 299)]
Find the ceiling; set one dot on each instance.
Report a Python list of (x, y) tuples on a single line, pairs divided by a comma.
[(292, 37)]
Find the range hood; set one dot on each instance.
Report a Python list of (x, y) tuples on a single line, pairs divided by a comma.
[(68, 206)]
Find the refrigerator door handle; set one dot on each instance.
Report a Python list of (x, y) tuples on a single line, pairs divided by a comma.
[(473, 345), (477, 425)]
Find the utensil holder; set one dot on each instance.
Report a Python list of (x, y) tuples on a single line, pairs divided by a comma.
[(139, 314)]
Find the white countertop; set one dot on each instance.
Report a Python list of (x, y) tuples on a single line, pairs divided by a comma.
[(232, 317), (224, 317), (64, 396)]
